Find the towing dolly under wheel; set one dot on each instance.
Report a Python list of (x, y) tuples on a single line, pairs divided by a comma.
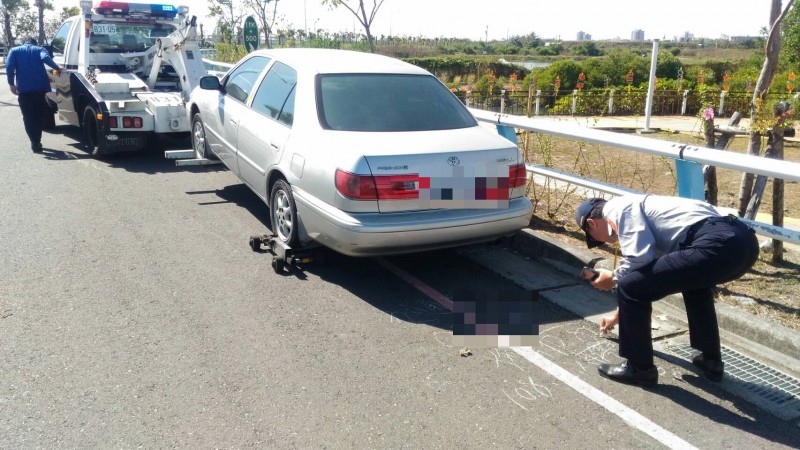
[(283, 256)]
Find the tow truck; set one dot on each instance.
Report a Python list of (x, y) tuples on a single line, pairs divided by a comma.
[(129, 70)]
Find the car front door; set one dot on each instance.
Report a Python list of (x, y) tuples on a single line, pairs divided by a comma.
[(265, 126), (222, 124)]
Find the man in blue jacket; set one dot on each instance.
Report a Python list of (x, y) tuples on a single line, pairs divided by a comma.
[(26, 64)]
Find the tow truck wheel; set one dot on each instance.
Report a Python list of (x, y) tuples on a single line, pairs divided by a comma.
[(92, 133), (283, 213), (199, 142)]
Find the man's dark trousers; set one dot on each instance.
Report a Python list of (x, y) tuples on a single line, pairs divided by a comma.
[(33, 106), (714, 251)]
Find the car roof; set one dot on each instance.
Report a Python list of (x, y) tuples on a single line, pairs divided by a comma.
[(324, 61)]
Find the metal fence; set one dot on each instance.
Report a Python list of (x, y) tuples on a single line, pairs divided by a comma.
[(784, 170), (613, 102)]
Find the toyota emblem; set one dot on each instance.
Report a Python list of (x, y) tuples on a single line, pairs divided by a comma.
[(453, 161)]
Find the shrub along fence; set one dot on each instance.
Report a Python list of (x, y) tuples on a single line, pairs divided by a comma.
[(613, 102)]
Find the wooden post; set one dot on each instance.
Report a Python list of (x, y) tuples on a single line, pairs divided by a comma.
[(760, 184), (781, 110), (711, 173)]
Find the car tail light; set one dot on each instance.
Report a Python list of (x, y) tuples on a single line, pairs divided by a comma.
[(112, 122), (127, 122), (384, 187), (517, 175), (137, 122), (397, 187), (356, 187)]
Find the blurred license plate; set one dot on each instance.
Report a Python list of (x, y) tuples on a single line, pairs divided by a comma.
[(465, 187)]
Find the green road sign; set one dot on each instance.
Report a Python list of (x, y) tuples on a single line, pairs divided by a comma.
[(250, 34)]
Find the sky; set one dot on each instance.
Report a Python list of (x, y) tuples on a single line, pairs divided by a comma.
[(499, 19)]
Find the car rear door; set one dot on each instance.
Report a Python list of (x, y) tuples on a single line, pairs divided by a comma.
[(222, 123), (265, 126)]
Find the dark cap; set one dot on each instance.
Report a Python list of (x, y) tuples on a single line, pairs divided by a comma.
[(584, 212), (31, 40)]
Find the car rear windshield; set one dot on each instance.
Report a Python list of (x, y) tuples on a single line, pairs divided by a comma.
[(389, 102)]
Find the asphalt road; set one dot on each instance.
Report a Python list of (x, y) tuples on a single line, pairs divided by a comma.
[(134, 314)]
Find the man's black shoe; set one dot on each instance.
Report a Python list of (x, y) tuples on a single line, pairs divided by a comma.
[(625, 373), (712, 369), (36, 147)]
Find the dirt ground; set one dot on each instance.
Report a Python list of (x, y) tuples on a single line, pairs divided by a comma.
[(768, 290)]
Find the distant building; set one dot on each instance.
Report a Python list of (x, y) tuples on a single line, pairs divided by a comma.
[(637, 35), (687, 37), (584, 36), (743, 39)]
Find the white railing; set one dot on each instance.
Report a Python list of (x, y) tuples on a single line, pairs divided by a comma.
[(784, 170), (216, 68)]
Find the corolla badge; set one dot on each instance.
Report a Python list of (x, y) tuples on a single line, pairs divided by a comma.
[(453, 161)]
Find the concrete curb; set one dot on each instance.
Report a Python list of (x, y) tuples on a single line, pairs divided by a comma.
[(762, 339)]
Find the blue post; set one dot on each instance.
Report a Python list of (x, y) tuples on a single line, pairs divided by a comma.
[(690, 179), (508, 132)]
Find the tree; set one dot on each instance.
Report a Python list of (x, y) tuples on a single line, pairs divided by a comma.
[(42, 5), (790, 47), (261, 9), (772, 126), (229, 13), (10, 9), (773, 49), (357, 8)]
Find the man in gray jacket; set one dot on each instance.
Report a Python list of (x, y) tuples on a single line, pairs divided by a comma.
[(668, 245)]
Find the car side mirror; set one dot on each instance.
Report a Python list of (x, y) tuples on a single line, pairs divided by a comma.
[(210, 83)]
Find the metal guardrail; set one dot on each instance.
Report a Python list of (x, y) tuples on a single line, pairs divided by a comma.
[(216, 68), (784, 170)]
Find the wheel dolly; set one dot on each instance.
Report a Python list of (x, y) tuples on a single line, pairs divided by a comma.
[(283, 256)]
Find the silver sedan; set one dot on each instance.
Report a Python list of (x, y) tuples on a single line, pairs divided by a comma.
[(362, 153)]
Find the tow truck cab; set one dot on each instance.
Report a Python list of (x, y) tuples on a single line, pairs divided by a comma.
[(106, 91)]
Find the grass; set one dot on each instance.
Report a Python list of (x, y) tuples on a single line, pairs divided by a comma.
[(768, 290)]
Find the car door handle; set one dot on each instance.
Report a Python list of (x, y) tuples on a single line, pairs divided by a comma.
[(234, 121), (274, 145)]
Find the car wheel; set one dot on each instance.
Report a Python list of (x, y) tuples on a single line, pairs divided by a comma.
[(91, 132), (283, 213), (199, 142)]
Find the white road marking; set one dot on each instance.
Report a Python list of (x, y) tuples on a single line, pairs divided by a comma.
[(627, 414), (631, 417)]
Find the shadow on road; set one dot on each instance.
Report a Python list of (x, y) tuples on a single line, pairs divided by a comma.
[(744, 415), (240, 195), (150, 160)]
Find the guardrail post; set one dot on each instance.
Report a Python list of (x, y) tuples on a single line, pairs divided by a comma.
[(690, 179), (574, 101), (507, 132), (469, 99), (502, 100), (538, 97), (610, 102), (685, 102), (721, 102)]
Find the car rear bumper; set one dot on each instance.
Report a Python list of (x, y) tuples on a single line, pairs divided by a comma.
[(372, 234)]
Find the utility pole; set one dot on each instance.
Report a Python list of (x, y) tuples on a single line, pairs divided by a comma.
[(487, 34)]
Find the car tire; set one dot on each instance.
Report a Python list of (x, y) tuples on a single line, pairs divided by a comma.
[(199, 141), (283, 213), (95, 145)]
